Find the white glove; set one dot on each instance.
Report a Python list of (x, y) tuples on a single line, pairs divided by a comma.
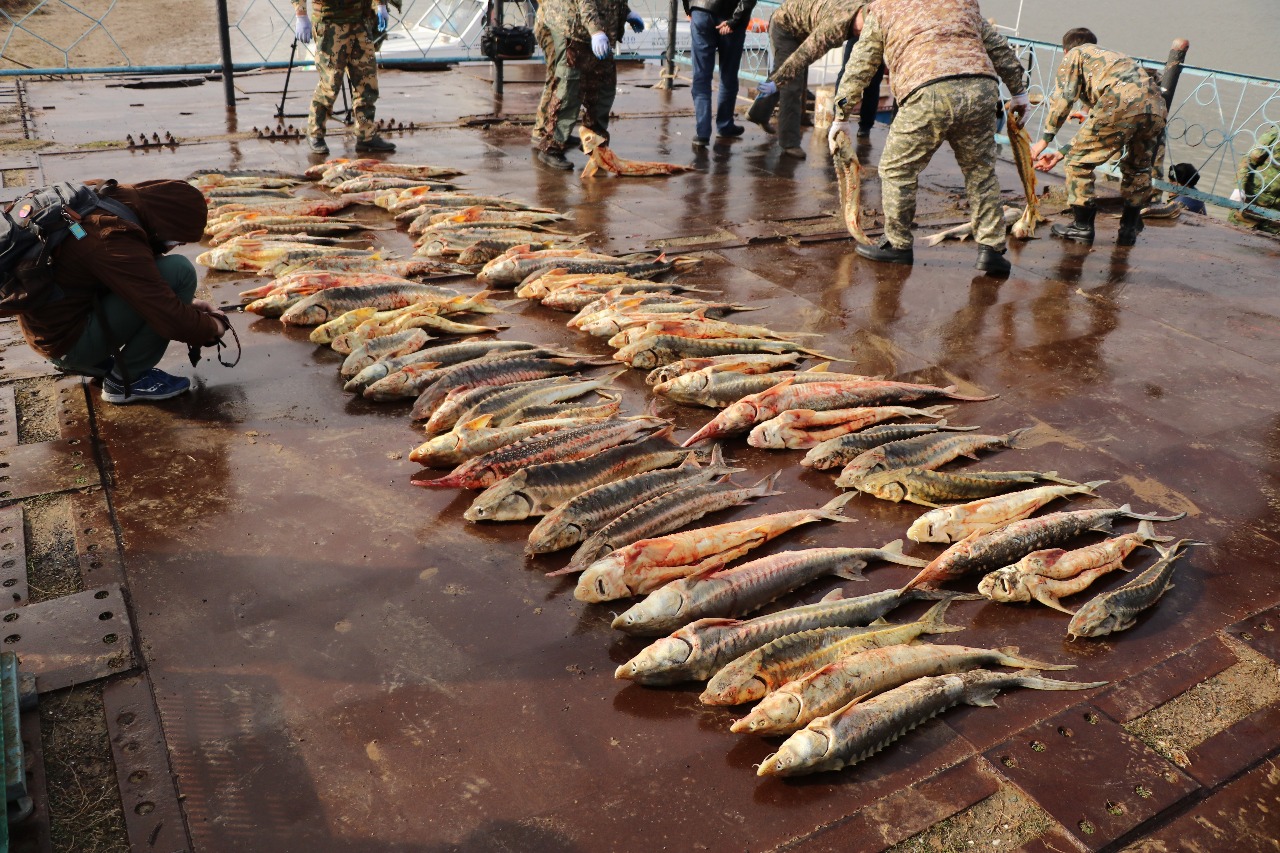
[(302, 29), (836, 126), (383, 19), (1019, 104), (600, 45), (1237, 195)]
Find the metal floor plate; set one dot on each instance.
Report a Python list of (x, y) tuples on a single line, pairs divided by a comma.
[(73, 639)]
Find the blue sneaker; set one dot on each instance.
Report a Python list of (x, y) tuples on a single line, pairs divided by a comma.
[(155, 384)]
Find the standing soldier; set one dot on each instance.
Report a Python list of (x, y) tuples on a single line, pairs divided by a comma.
[(944, 60), (1126, 114), (578, 38), (346, 32), (802, 31)]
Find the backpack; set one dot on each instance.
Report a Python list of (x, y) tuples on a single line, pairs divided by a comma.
[(31, 228)]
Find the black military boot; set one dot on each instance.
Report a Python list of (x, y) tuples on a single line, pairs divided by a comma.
[(886, 252), (375, 143), (1081, 230), (1130, 225), (556, 160), (992, 262)]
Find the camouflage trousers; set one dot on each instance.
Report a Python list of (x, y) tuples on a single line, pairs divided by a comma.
[(962, 113), (578, 87), (1132, 131), (344, 49)]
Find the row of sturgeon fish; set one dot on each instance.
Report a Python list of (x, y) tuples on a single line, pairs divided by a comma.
[(539, 432)]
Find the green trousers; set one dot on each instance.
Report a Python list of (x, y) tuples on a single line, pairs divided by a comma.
[(141, 348)]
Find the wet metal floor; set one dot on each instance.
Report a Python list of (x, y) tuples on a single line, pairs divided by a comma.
[(343, 664)]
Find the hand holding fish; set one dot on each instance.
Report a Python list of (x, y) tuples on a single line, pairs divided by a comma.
[(1045, 162)]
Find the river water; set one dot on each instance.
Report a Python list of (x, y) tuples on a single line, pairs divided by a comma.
[(1242, 36)]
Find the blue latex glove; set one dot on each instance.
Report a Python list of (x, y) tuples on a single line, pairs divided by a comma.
[(302, 29), (600, 46), (767, 88), (382, 18), (636, 22)]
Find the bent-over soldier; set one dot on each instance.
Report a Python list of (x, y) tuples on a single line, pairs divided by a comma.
[(802, 31), (345, 33), (1126, 118), (578, 39), (1258, 181), (944, 60)]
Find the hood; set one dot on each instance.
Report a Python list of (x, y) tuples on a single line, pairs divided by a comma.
[(170, 211)]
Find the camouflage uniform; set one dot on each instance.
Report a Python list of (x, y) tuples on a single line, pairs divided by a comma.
[(943, 61), (801, 32), (1126, 114), (577, 83), (1259, 179), (344, 39)]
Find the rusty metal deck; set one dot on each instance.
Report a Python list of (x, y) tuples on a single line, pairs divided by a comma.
[(341, 663)]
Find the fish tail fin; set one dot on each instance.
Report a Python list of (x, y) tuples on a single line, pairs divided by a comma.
[(935, 239), (1011, 439), (1147, 533), (1031, 678), (1128, 512), (894, 547), (939, 594), (1176, 547), (933, 620), (1052, 477), (766, 486), (1011, 656), (984, 695), (953, 394), (567, 570), (1092, 486), (833, 510), (935, 412)]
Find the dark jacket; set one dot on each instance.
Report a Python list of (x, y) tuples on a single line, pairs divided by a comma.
[(738, 12), (119, 257)]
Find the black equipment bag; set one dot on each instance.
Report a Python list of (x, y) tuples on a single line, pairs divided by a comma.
[(507, 42), (31, 228)]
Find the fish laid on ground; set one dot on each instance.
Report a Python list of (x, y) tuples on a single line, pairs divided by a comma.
[(924, 451), (601, 156), (389, 346), (1049, 575), (952, 523), (985, 551), (624, 304), (483, 251), (468, 440), (697, 327), (734, 592), (455, 243), (575, 409), (799, 429), (849, 179), (213, 193), (717, 389), (636, 267), (588, 511), (314, 280), (839, 451), (819, 396), (663, 349), (443, 356), (539, 489), (501, 400), (575, 297), (281, 207), (492, 370), (371, 165), (266, 257), (314, 225), (562, 445), (328, 304), (555, 279), (861, 729), (700, 649), (410, 381), (609, 324), (746, 364), (1118, 609), (927, 488), (797, 703), (385, 367), (965, 231), (785, 659), (1020, 143), (662, 514), (478, 213), (411, 268), (373, 183), (517, 263), (648, 564)]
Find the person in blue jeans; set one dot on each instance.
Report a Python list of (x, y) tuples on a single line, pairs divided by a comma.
[(717, 28)]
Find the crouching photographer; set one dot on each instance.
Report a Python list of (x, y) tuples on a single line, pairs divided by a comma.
[(85, 270)]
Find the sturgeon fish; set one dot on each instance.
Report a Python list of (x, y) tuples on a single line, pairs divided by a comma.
[(716, 389), (698, 650), (734, 592), (849, 180), (861, 729), (662, 514), (839, 451), (538, 489), (645, 565), (390, 346), (980, 551), (663, 349), (468, 440), (925, 487), (953, 523), (444, 356), (588, 511), (866, 673), (498, 369), (746, 364), (800, 429), (785, 659), (1118, 609), (923, 451)]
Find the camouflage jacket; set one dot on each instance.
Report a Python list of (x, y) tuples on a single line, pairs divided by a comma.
[(1259, 175), (924, 41), (1088, 72), (338, 11), (577, 20), (822, 24)]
